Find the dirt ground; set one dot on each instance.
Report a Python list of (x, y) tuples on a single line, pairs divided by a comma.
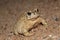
[(10, 11)]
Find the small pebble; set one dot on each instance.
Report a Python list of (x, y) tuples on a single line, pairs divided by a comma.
[(50, 35), (55, 18)]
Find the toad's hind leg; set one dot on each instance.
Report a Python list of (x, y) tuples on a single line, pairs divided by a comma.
[(15, 32), (26, 33)]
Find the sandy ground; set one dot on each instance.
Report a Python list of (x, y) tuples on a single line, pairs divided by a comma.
[(10, 11)]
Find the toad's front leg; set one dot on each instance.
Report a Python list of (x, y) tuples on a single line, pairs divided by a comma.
[(41, 20)]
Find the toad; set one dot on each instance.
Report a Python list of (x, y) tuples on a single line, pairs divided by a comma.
[(27, 21)]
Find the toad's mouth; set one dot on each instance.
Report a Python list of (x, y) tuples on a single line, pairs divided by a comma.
[(34, 18)]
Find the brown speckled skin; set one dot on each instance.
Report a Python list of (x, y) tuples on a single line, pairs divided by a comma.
[(24, 23)]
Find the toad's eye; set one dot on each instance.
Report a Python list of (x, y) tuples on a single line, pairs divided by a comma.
[(29, 13)]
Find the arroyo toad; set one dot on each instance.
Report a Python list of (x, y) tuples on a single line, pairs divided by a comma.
[(27, 21)]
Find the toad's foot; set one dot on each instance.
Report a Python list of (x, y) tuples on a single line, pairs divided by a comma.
[(16, 33), (43, 22), (26, 33)]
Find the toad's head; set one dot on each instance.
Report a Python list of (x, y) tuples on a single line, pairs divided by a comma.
[(32, 14)]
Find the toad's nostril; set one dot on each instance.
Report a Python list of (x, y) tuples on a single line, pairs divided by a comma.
[(29, 13)]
